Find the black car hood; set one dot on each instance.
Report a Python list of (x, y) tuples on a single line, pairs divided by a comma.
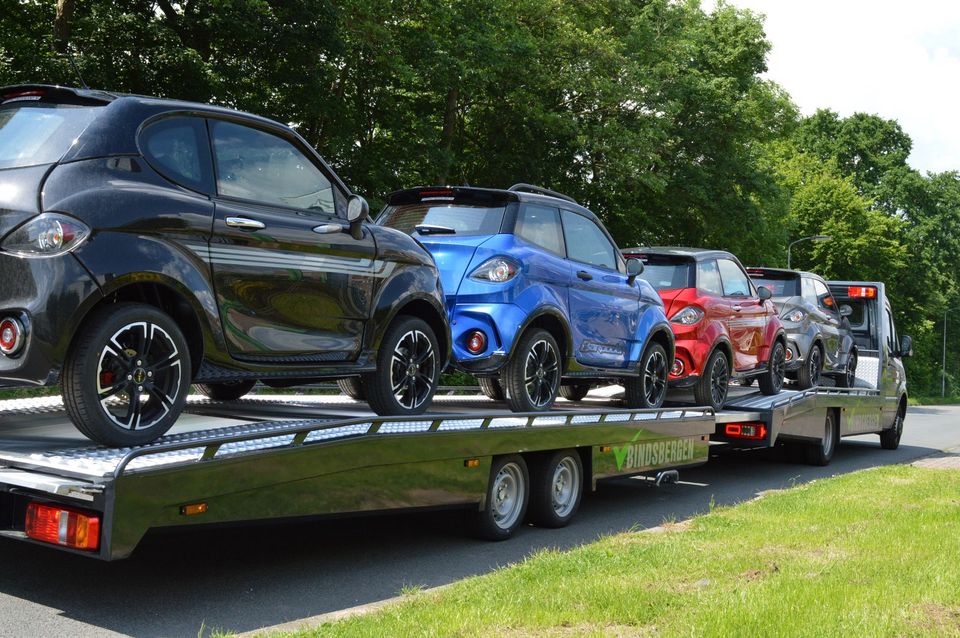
[(19, 195)]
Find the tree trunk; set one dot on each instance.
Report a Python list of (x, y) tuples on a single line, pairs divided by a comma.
[(449, 131), (62, 24)]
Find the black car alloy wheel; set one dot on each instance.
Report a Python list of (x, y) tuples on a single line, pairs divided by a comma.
[(139, 375), (413, 369), (541, 373)]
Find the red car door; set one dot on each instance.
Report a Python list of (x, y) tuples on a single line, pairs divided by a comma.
[(749, 317)]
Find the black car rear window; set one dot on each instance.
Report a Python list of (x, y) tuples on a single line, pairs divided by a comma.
[(780, 284), (667, 273), (33, 133), (463, 219)]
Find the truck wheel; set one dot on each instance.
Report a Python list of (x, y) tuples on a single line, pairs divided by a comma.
[(353, 388), (650, 388), (771, 381), (849, 377), (712, 386), (491, 388), (556, 489), (125, 381), (531, 378), (407, 370), (808, 375), (574, 391), (507, 497), (890, 439), (821, 453), (226, 391)]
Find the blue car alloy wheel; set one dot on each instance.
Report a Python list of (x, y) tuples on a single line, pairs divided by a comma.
[(540, 301)]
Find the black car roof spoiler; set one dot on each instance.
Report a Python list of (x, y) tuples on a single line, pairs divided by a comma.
[(462, 194), (55, 94)]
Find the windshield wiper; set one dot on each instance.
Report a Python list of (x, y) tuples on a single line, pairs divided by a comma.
[(430, 229)]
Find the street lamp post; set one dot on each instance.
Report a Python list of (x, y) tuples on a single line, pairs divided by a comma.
[(817, 238)]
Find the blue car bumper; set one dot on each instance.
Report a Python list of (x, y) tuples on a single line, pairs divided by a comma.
[(499, 323)]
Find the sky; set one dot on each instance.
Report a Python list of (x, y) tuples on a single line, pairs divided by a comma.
[(896, 59)]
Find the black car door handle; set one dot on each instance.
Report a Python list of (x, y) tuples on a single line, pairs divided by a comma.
[(244, 223), (583, 274), (328, 229)]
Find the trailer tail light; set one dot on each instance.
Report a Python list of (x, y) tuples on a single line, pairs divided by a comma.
[(862, 292), (63, 526), (476, 342), (752, 431)]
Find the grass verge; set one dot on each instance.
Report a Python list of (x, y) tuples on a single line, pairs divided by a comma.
[(874, 553)]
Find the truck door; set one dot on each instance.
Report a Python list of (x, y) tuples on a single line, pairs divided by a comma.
[(892, 372)]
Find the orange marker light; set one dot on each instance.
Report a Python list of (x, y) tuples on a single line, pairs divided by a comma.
[(193, 509)]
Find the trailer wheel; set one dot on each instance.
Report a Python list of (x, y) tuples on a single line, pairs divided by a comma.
[(821, 453), (125, 381), (556, 489), (227, 390), (574, 391), (507, 496), (890, 439), (353, 388), (531, 378), (407, 369), (808, 375), (712, 386), (491, 388), (650, 388), (771, 381)]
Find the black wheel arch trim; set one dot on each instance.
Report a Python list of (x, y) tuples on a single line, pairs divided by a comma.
[(553, 313)]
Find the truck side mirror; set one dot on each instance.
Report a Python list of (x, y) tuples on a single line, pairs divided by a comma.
[(906, 346), (845, 310), (357, 210), (764, 293), (634, 268)]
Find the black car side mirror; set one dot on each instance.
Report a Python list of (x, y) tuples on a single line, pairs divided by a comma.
[(764, 293), (906, 346), (357, 210), (845, 310), (634, 268)]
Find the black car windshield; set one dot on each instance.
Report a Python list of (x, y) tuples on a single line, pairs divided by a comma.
[(458, 218), (32, 134), (665, 273), (781, 285)]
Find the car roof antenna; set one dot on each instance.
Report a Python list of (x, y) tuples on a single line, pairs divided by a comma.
[(73, 63)]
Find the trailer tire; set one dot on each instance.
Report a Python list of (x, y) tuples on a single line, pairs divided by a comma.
[(491, 388), (107, 346), (227, 390), (771, 381), (890, 439), (574, 391), (821, 453), (536, 354), (353, 388), (508, 494), (408, 359), (556, 489)]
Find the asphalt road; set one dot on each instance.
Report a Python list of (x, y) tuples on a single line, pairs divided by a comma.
[(179, 584)]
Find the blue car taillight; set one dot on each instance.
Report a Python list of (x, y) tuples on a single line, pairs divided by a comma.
[(497, 270)]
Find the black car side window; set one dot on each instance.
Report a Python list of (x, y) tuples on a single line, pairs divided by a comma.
[(259, 166), (177, 148), (586, 243), (540, 225)]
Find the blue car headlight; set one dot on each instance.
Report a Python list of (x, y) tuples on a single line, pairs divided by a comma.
[(496, 270)]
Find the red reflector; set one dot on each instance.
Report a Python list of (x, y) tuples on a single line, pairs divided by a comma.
[(862, 292), (752, 431), (476, 342), (436, 193), (10, 96), (63, 526), (11, 333)]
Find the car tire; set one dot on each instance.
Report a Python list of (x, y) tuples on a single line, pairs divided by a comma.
[(556, 487), (650, 388), (713, 384), (531, 378), (821, 453), (408, 369), (890, 439), (132, 352), (227, 390), (771, 381), (809, 374), (353, 388), (574, 391), (491, 388), (849, 377), (508, 494)]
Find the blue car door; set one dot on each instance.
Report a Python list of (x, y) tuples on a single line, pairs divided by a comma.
[(604, 310)]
